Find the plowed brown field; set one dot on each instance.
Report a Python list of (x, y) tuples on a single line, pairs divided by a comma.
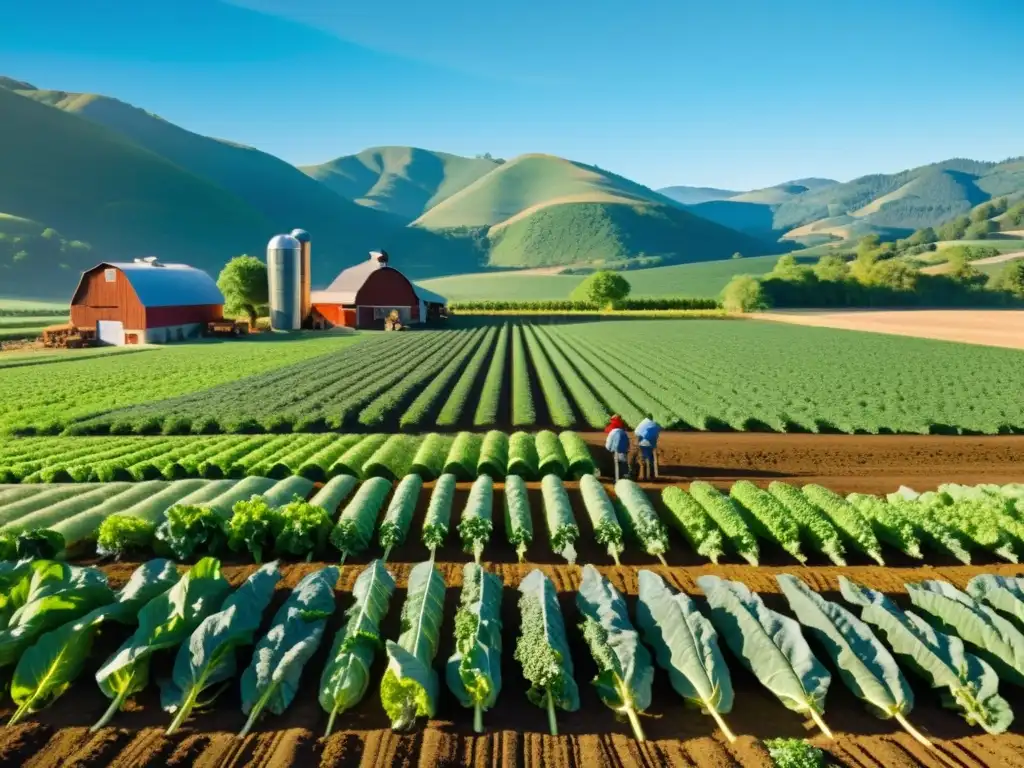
[(592, 737)]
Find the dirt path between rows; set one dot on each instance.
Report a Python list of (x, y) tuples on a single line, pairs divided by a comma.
[(845, 463), (987, 327)]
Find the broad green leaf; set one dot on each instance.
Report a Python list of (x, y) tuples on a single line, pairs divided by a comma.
[(410, 686), (208, 657), (164, 622), (864, 664), (347, 675), (968, 684), (543, 648), (625, 670), (474, 670), (49, 667), (770, 645), (272, 679), (1004, 593), (686, 646), (993, 638), (54, 594)]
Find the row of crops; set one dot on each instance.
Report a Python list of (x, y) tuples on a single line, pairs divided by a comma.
[(294, 518), (698, 374), (960, 643), (317, 457)]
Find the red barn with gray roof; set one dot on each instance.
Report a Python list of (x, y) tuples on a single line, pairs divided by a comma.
[(363, 295), (145, 301)]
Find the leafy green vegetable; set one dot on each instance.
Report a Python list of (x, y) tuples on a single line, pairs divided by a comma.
[(689, 518), (474, 670), (850, 522), (625, 671), (639, 518), (767, 517), (889, 525), (770, 645), (562, 529), (439, 513), (304, 528), (47, 669), (354, 531), (864, 664), (47, 594), (409, 688), (815, 527), (189, 530), (8, 546), (728, 516), (994, 638), (686, 646), (271, 680), (493, 459), (1004, 593), (347, 675), (164, 622), (122, 534), (42, 543), (253, 526), (395, 526), (209, 656), (475, 525), (599, 508), (969, 684), (543, 649), (518, 518), (794, 753)]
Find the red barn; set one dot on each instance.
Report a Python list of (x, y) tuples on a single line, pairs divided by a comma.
[(145, 301), (363, 295)]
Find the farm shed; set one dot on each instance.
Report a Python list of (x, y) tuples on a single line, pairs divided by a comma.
[(145, 301), (363, 295)]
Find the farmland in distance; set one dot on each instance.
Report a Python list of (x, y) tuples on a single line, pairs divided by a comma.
[(690, 374)]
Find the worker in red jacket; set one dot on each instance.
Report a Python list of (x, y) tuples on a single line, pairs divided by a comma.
[(615, 422)]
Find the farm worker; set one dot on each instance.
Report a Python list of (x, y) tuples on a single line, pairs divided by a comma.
[(647, 432), (615, 422), (617, 444)]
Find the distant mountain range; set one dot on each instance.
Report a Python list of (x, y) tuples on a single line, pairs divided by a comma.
[(810, 211), (85, 178)]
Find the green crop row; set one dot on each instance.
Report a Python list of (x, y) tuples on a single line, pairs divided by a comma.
[(317, 457)]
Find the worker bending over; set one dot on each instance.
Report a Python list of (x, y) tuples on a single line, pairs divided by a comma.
[(647, 432)]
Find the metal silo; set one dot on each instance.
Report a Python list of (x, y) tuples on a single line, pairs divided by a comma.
[(284, 257), (305, 278)]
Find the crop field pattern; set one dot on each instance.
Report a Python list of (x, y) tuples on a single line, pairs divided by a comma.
[(690, 374)]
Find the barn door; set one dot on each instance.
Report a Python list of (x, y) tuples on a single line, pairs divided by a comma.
[(110, 332)]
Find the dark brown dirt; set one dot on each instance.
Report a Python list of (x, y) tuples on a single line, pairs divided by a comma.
[(845, 463)]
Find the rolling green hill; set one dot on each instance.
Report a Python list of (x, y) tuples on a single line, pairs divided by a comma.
[(404, 181), (90, 184), (539, 210)]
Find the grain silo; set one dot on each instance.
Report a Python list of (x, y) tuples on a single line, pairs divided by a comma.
[(304, 273), (284, 257)]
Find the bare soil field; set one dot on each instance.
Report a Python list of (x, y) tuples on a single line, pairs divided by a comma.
[(988, 327), (845, 463)]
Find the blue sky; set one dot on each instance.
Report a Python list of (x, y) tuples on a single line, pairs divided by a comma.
[(730, 93)]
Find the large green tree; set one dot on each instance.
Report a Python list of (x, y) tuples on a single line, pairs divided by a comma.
[(243, 281), (744, 294), (603, 288)]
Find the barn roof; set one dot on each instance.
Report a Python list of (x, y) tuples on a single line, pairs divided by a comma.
[(348, 282), (168, 285)]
